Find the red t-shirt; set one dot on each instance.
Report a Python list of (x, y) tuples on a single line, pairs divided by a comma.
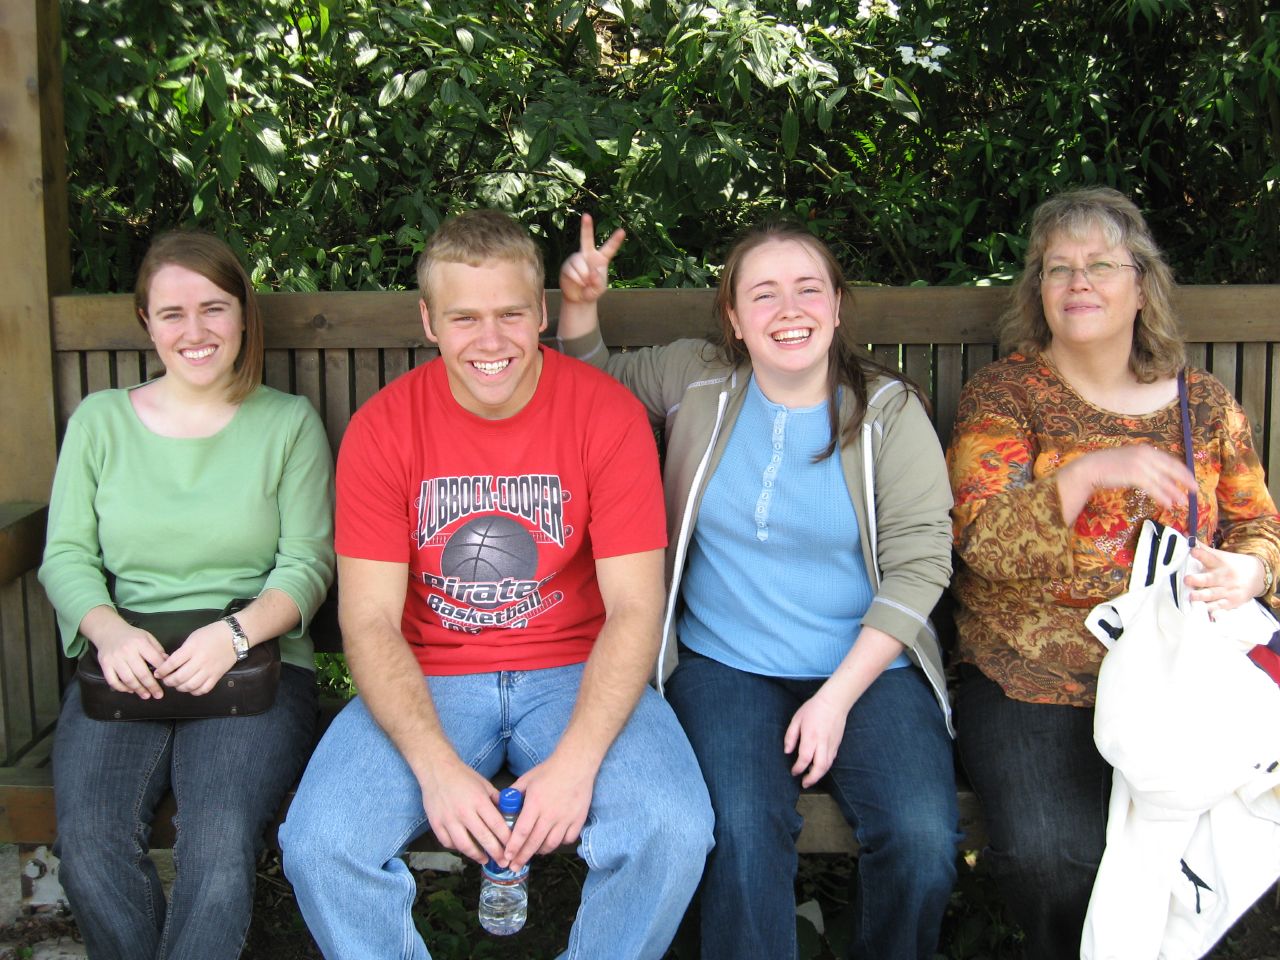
[(500, 521)]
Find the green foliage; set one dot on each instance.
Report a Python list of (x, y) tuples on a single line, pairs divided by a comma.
[(333, 680), (326, 138)]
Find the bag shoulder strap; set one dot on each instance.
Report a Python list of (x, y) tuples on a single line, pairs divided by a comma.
[(1193, 506)]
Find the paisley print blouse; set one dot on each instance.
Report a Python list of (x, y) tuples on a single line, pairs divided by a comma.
[(1026, 580)]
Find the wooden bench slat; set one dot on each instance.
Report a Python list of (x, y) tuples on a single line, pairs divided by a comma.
[(1253, 391), (337, 395), (68, 387), (395, 362), (97, 371), (46, 653), (950, 377), (642, 317), (27, 816), (367, 375), (276, 368)]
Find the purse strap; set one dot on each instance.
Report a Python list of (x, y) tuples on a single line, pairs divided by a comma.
[(1193, 506)]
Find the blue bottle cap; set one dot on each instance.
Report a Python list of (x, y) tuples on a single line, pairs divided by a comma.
[(510, 800)]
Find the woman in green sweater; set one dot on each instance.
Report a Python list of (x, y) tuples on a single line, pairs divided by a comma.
[(186, 492)]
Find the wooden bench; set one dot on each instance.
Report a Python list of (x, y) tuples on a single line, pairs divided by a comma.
[(338, 349)]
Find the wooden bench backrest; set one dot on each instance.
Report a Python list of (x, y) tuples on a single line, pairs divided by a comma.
[(338, 349)]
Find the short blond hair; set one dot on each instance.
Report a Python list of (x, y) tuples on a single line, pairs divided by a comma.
[(475, 238), (1158, 349)]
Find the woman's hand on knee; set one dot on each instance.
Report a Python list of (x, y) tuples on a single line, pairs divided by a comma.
[(197, 665), (814, 735)]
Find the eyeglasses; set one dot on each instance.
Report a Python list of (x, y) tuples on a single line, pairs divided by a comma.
[(1099, 272)]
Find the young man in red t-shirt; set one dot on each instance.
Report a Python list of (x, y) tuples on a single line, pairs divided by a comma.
[(500, 535)]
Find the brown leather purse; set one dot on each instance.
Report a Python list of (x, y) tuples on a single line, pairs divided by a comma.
[(248, 688)]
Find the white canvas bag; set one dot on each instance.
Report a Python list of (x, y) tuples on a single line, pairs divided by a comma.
[(1192, 728)]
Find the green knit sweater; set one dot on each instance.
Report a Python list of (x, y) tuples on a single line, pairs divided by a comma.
[(191, 523)]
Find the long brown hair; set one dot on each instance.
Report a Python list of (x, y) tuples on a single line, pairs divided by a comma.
[(847, 366), (207, 255)]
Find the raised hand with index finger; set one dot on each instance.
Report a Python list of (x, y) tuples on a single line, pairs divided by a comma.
[(585, 274)]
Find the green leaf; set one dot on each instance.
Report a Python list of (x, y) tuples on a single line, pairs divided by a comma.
[(417, 80), (465, 40), (790, 133), (183, 164), (269, 137), (391, 90), (215, 95), (230, 159), (265, 174), (540, 147)]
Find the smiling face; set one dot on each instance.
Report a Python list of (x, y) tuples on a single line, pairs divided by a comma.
[(1087, 313), (196, 326), (785, 310), (486, 320)]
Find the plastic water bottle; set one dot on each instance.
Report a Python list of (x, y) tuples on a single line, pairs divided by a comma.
[(504, 894)]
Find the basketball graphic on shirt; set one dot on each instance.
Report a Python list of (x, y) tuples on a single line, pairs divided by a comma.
[(490, 549)]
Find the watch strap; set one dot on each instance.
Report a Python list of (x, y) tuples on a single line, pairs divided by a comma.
[(239, 639)]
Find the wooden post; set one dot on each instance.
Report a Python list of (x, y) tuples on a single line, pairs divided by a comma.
[(35, 261)]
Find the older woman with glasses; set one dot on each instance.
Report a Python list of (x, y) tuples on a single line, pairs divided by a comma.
[(1060, 452)]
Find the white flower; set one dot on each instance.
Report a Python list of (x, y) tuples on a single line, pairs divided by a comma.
[(891, 9), (941, 50), (908, 54), (864, 9), (931, 65)]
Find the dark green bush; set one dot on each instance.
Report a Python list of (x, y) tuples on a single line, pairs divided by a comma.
[(325, 138)]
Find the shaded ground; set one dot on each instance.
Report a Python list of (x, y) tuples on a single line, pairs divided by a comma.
[(975, 927)]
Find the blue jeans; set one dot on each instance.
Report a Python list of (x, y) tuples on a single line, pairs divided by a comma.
[(228, 777), (893, 779), (359, 805), (1044, 790)]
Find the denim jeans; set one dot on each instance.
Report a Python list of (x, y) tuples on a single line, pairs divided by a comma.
[(359, 805), (228, 777), (893, 779), (1044, 790)]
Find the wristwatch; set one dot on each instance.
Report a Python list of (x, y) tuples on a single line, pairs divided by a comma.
[(1268, 578), (239, 639)]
